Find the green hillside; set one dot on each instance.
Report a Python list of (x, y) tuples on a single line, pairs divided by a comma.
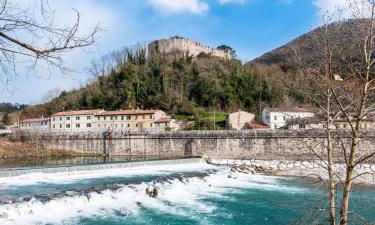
[(175, 83)]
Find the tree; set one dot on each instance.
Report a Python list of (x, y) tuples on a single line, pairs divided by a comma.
[(6, 119), (30, 37), (227, 49), (351, 98)]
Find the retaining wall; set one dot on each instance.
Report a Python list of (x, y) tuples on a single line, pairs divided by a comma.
[(252, 144)]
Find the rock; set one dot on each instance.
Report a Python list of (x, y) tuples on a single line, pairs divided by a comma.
[(152, 191)]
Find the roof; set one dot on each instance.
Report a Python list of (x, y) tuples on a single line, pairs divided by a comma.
[(79, 112), (296, 109), (129, 112), (34, 120), (257, 125), (163, 120)]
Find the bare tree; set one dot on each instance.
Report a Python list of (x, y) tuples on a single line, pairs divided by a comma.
[(342, 84), (30, 37)]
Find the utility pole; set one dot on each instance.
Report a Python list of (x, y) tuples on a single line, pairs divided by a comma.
[(214, 120)]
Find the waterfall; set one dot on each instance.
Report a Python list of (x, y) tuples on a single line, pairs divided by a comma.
[(93, 167)]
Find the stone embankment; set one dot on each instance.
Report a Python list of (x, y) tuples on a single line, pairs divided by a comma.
[(309, 169)]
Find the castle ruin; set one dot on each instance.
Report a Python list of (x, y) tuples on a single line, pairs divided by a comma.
[(185, 46)]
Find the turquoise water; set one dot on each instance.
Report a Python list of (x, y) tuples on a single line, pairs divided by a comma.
[(188, 194)]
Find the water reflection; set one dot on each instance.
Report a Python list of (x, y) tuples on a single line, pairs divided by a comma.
[(66, 161)]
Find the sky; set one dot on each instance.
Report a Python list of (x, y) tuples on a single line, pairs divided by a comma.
[(251, 27)]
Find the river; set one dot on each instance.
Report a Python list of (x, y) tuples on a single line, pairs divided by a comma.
[(192, 193)]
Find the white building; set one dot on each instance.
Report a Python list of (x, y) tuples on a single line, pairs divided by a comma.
[(81, 120), (135, 120), (40, 124), (276, 117), (238, 120)]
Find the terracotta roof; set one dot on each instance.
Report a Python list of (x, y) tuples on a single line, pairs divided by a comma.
[(257, 125), (288, 109), (79, 112), (129, 112), (163, 120), (34, 120)]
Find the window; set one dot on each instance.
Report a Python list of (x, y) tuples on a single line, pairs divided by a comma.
[(67, 118), (275, 126), (88, 124), (284, 118), (275, 118), (143, 117), (60, 118), (53, 119), (150, 124), (116, 125), (68, 126), (344, 126), (77, 118), (78, 125), (111, 117), (136, 124), (105, 118), (88, 117), (122, 117), (115, 117), (53, 126), (60, 126), (150, 117), (98, 117), (128, 117), (128, 125), (302, 126), (136, 117)]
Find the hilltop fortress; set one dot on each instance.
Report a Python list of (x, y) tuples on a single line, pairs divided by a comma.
[(182, 45)]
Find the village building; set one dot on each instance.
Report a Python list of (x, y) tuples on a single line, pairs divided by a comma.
[(238, 120), (74, 121), (276, 118), (136, 120), (167, 124), (305, 123), (37, 125)]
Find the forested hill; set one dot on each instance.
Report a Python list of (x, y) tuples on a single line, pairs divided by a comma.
[(306, 51), (177, 84)]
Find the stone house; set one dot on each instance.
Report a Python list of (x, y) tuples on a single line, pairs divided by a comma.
[(238, 120), (37, 125), (135, 120), (74, 121), (276, 118)]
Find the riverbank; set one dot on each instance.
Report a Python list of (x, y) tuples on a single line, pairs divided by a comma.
[(15, 149), (306, 169)]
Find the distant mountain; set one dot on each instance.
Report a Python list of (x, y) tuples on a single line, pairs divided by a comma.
[(306, 50)]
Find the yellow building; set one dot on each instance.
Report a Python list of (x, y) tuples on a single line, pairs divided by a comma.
[(136, 120)]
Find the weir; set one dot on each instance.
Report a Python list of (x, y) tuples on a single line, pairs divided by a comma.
[(93, 167)]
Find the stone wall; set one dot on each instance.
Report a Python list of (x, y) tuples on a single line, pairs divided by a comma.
[(251, 144), (185, 46)]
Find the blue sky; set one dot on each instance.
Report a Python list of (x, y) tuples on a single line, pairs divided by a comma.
[(251, 27)]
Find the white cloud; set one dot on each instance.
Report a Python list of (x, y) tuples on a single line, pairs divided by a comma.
[(178, 6), (330, 5), (222, 2), (344, 8)]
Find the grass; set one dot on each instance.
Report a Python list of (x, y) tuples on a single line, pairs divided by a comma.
[(17, 149)]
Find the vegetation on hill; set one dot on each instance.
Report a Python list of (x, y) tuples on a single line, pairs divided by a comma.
[(305, 52), (175, 83)]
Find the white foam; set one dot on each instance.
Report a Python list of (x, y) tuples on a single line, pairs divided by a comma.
[(183, 198), (71, 177)]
